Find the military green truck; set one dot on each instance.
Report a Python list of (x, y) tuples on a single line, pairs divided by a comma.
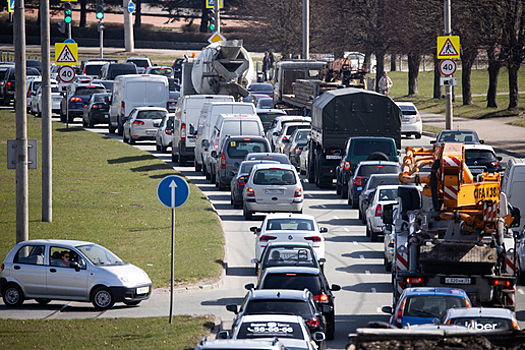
[(343, 113)]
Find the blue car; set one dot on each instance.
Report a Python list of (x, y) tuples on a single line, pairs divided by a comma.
[(77, 101), (422, 305)]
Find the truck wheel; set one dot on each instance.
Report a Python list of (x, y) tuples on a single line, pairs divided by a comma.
[(337, 187), (247, 214), (111, 129), (174, 157), (182, 160), (418, 135), (197, 166), (120, 129), (521, 275)]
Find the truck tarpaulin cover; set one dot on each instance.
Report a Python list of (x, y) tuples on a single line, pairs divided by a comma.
[(357, 112)]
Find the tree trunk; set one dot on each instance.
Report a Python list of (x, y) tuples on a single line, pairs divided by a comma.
[(393, 62), (513, 86), (437, 76), (83, 14), (494, 69), (138, 14), (468, 56), (204, 19), (414, 60), (380, 58)]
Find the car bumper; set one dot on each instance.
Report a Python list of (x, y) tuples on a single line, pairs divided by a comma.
[(99, 117), (411, 128), (185, 150), (253, 206), (376, 224), (130, 294)]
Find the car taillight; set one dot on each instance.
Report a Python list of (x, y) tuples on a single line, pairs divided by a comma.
[(28, 93), (379, 211), (298, 193), (2, 267), (495, 163), (285, 138), (501, 283), (313, 238), (75, 99), (414, 280), (167, 131), (168, 105), (515, 326), (418, 117), (250, 192), (223, 161), (323, 298), (297, 150), (266, 238), (138, 122), (313, 322), (241, 181), (347, 165), (216, 146), (399, 315), (9, 85), (358, 181), (97, 106), (183, 131), (122, 108)]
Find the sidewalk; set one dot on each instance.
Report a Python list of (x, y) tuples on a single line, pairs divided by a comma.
[(496, 132)]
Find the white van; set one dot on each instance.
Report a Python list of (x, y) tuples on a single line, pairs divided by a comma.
[(187, 115), (205, 129), (232, 125), (133, 90), (514, 184)]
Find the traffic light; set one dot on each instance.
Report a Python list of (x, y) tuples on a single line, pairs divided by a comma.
[(67, 12), (100, 9), (211, 19)]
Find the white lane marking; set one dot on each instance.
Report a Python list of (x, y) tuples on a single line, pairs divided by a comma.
[(355, 242), (367, 272), (521, 291), (57, 312), (361, 256), (374, 290), (323, 206), (335, 217), (379, 311), (346, 229), (309, 195)]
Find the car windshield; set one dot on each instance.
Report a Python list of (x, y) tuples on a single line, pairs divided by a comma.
[(431, 305), (88, 91), (483, 323), (365, 148), (274, 177), (99, 255), (455, 136), (296, 281), (246, 167), (472, 155), (290, 224), (278, 306), (253, 330), (389, 194), (239, 149), (151, 115), (289, 256), (367, 170)]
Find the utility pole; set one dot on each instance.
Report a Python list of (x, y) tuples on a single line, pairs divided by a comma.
[(217, 16), (21, 153), (448, 88), (100, 17), (129, 43), (306, 29), (47, 164)]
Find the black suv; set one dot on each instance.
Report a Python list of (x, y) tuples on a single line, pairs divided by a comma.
[(9, 86), (300, 278)]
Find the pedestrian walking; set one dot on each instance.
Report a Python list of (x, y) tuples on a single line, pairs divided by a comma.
[(265, 66), (385, 83)]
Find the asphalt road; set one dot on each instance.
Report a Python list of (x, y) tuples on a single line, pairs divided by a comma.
[(353, 262)]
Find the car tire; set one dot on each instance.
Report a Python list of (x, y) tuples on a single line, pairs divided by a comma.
[(367, 231), (120, 129), (418, 135), (132, 141), (349, 201), (363, 219), (182, 160), (84, 123), (521, 275), (373, 236), (206, 172), (344, 194), (102, 298), (388, 265), (62, 116), (197, 167), (111, 129), (91, 124), (157, 147), (330, 330), (124, 138), (212, 177), (222, 187), (43, 301), (247, 214), (132, 303), (354, 202), (163, 149), (174, 157), (337, 188), (12, 295), (360, 216)]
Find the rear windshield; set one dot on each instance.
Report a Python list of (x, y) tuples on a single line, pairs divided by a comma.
[(281, 158), (266, 103), (274, 177), (254, 330), (303, 136), (2, 74), (365, 148), (237, 127), (88, 91), (432, 305), (162, 71), (290, 224), (292, 128), (389, 194), (93, 69), (102, 98), (267, 118), (239, 149), (121, 70), (376, 181), (139, 63), (289, 256), (278, 306), (457, 137), (296, 281), (474, 155), (151, 115), (483, 323), (367, 170)]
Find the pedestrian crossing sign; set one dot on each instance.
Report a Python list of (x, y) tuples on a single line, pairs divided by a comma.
[(66, 54), (447, 47), (11, 5)]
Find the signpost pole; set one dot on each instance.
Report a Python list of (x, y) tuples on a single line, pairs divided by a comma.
[(448, 88), (217, 16), (47, 169), (172, 258)]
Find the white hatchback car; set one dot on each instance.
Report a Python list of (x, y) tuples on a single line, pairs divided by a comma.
[(53, 269), (272, 188), (383, 195), (143, 123), (411, 121), (294, 228), (165, 133)]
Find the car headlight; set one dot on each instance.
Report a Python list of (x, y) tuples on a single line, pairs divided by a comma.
[(124, 279)]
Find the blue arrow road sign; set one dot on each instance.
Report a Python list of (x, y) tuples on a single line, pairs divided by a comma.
[(173, 191), (131, 7), (11, 5)]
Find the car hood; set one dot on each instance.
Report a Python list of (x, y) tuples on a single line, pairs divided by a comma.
[(135, 275)]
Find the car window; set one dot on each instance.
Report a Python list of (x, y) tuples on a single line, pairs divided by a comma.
[(99, 255), (365, 148), (274, 177), (93, 69), (382, 180), (472, 155), (291, 128), (30, 254), (239, 149), (296, 281), (303, 136), (290, 224), (457, 137), (483, 323), (279, 306), (151, 115), (36, 85), (139, 63), (169, 123), (431, 305), (289, 256), (161, 71), (367, 170), (389, 194), (62, 257), (253, 330), (88, 91)]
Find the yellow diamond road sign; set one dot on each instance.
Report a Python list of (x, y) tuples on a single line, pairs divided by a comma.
[(447, 47), (66, 54), (216, 37)]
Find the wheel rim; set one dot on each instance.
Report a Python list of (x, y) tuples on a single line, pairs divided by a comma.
[(103, 298), (12, 295)]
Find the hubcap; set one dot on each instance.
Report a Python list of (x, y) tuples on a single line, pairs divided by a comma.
[(102, 298), (12, 296)]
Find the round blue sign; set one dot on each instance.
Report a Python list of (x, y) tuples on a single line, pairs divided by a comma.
[(131, 7), (173, 191), (69, 41)]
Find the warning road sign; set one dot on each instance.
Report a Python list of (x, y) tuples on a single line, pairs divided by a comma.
[(66, 54), (447, 47)]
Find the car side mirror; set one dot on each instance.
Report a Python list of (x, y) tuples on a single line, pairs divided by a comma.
[(236, 164), (499, 158), (254, 261), (319, 336), (74, 265), (432, 141), (205, 143), (213, 154), (192, 129), (322, 260), (249, 286), (515, 212), (323, 229), (481, 141), (387, 229), (387, 310), (230, 173), (232, 308), (223, 335), (275, 133), (335, 288), (286, 140)]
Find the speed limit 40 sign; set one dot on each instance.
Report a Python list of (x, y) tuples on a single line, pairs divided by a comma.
[(66, 74), (447, 67)]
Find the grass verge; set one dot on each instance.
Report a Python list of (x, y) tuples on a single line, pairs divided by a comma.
[(104, 333), (104, 191)]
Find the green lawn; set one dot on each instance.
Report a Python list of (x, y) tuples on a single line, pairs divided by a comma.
[(104, 191)]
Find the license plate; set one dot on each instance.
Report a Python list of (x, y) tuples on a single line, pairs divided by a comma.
[(142, 290), (151, 132), (329, 156), (273, 191), (456, 280)]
